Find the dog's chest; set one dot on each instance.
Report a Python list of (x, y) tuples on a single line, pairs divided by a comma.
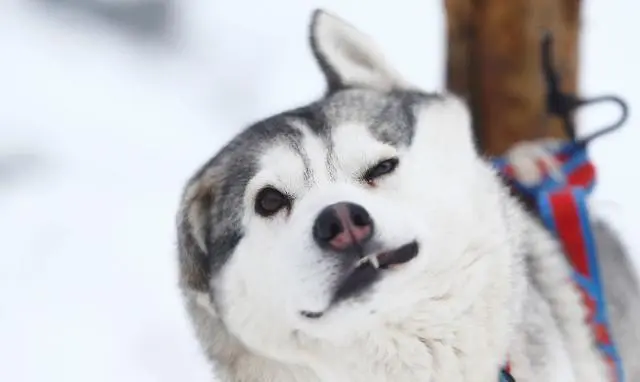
[(408, 359), (388, 372)]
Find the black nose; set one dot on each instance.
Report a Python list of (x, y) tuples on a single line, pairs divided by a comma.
[(342, 226)]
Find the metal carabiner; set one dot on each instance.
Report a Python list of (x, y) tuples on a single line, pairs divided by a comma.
[(563, 105)]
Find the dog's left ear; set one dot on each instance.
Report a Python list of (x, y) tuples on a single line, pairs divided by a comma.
[(192, 223), (348, 57)]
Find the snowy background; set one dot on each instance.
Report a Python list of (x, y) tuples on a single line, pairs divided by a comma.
[(100, 126)]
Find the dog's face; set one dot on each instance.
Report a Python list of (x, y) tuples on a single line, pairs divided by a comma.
[(338, 218)]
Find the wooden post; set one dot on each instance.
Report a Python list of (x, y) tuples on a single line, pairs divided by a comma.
[(494, 61)]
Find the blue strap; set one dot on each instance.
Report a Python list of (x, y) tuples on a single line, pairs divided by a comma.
[(506, 377), (591, 284)]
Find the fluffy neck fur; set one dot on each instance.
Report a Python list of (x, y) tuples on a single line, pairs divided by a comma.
[(471, 346)]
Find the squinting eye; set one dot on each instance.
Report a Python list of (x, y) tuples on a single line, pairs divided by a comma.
[(382, 168), (269, 201)]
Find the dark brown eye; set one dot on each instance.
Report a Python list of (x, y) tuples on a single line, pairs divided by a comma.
[(382, 168), (269, 201)]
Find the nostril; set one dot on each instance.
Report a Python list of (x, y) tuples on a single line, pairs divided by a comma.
[(359, 220), (360, 217), (333, 230), (327, 226)]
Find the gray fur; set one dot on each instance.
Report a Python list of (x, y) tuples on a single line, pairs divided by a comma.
[(622, 295)]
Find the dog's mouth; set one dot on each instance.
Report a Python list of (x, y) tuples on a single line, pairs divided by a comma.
[(366, 271)]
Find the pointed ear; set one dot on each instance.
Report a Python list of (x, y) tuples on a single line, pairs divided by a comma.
[(193, 223), (349, 57)]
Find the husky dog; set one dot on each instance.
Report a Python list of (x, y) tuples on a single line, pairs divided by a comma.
[(362, 238)]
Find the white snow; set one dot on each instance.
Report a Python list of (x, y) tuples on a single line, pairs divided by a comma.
[(105, 131)]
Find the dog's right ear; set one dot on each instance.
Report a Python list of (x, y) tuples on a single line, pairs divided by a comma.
[(348, 57), (193, 223)]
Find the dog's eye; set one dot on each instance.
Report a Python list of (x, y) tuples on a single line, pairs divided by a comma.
[(269, 201), (382, 168)]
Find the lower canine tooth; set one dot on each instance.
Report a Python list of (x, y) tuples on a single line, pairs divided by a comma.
[(374, 261)]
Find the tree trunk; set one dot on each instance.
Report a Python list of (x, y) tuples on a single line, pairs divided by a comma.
[(494, 61)]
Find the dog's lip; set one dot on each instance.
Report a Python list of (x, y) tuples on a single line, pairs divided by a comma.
[(388, 259), (385, 260)]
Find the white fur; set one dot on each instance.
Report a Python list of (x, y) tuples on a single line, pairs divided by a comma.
[(455, 313)]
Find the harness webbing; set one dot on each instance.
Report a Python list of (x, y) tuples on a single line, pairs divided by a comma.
[(505, 376), (562, 207)]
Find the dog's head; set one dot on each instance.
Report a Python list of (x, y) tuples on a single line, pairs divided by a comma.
[(343, 216)]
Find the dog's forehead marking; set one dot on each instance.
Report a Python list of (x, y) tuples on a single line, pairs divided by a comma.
[(336, 137), (284, 167), (389, 116), (295, 165), (356, 147), (317, 149)]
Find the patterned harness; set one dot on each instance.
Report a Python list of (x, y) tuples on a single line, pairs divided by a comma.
[(562, 207)]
